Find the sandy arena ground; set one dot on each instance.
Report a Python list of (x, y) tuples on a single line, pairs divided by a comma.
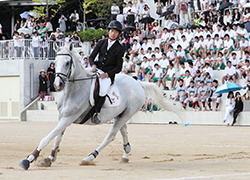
[(169, 152)]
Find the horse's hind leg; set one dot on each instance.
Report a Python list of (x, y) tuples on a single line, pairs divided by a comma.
[(53, 155), (119, 122), (126, 145)]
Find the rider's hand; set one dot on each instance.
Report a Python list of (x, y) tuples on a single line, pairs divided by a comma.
[(94, 68), (103, 75)]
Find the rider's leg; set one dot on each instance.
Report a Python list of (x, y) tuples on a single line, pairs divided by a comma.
[(104, 86)]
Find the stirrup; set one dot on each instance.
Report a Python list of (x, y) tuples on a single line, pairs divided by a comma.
[(95, 119)]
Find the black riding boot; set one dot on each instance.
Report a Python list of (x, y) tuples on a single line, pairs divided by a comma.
[(98, 107)]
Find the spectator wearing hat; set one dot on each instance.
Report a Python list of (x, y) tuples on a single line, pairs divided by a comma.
[(114, 11), (57, 32), (156, 28), (230, 72), (42, 84)]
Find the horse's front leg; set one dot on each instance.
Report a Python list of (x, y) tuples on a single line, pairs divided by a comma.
[(53, 155), (61, 126), (126, 145)]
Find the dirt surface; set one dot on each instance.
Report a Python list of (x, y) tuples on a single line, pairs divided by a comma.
[(169, 152)]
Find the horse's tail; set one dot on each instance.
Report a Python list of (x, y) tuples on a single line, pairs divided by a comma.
[(153, 91)]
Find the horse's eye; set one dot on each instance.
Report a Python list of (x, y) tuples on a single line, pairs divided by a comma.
[(67, 64)]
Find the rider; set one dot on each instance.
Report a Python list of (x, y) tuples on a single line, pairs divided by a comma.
[(109, 63)]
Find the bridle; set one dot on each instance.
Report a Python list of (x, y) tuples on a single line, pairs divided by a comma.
[(59, 74)]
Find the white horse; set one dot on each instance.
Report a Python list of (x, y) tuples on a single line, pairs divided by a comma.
[(74, 104)]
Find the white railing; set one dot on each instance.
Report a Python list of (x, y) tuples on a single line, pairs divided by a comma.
[(23, 49)]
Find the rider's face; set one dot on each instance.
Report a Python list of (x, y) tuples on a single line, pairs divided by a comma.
[(113, 34)]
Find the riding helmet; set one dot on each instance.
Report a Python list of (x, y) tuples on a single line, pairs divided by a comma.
[(115, 25)]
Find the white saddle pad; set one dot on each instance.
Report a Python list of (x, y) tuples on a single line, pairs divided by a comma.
[(113, 93)]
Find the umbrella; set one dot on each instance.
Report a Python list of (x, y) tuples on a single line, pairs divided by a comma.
[(128, 28), (34, 14), (166, 13), (24, 31), (225, 5), (147, 20), (24, 15), (225, 88), (99, 19)]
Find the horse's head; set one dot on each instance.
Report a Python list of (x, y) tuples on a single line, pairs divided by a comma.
[(63, 65)]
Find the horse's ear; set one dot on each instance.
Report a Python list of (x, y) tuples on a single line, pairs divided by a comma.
[(55, 47), (71, 46)]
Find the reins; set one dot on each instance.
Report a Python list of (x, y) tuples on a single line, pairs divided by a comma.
[(69, 72)]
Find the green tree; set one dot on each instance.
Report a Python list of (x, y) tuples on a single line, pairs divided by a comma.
[(55, 6), (85, 6)]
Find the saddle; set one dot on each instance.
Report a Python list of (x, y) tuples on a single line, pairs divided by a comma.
[(112, 98)]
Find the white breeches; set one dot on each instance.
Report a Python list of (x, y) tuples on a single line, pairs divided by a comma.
[(104, 84), (229, 109), (194, 99), (182, 99)]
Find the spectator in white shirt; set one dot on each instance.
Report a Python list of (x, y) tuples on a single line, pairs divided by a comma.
[(180, 56), (131, 11), (182, 70), (234, 60), (244, 69), (135, 49), (230, 73), (164, 63), (143, 68), (218, 44), (242, 32), (220, 62), (164, 38), (171, 75), (199, 62), (187, 79), (114, 11), (209, 45), (124, 13), (171, 53), (127, 65), (203, 46), (157, 76), (242, 61), (36, 45), (145, 44), (196, 48), (184, 44), (209, 59), (189, 36), (192, 69), (228, 45), (140, 57), (154, 44), (244, 45), (157, 53), (219, 31), (208, 69)]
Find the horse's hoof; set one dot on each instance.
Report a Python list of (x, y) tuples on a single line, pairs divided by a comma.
[(25, 164), (124, 160), (45, 163), (87, 163)]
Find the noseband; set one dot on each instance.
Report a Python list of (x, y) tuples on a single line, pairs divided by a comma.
[(59, 74)]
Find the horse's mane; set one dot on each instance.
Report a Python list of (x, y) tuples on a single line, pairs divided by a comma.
[(75, 54)]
